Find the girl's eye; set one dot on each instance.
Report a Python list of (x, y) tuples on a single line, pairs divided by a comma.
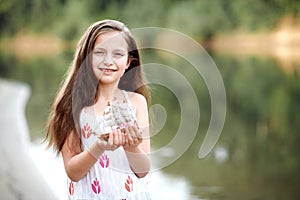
[(99, 53), (118, 55)]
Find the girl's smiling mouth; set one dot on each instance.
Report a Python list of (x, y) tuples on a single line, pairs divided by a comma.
[(108, 70)]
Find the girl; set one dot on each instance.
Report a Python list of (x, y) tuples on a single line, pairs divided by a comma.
[(106, 67)]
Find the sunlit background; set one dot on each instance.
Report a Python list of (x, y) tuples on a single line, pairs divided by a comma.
[(256, 46)]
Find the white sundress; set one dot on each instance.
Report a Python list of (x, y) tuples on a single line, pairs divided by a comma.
[(111, 178)]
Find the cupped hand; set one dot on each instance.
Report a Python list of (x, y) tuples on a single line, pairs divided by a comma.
[(133, 136), (115, 140)]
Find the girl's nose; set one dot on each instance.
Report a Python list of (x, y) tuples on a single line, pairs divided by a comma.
[(108, 60)]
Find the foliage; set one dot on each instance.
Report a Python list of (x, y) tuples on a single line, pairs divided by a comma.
[(199, 18)]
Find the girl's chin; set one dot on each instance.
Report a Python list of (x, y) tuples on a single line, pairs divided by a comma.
[(106, 76), (108, 80)]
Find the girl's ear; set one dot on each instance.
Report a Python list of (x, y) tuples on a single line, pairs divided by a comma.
[(128, 62)]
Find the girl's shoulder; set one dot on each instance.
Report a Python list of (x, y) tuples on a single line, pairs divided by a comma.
[(87, 111), (88, 114), (136, 99)]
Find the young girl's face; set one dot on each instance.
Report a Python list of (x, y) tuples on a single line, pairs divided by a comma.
[(110, 57)]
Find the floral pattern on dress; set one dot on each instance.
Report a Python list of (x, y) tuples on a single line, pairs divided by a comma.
[(104, 161), (96, 186), (71, 188), (86, 131), (129, 184)]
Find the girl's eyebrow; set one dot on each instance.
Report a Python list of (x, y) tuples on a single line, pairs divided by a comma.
[(120, 49), (98, 47), (117, 49)]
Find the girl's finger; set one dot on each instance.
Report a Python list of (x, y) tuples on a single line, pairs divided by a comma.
[(130, 140), (110, 141), (119, 134), (138, 134), (127, 131), (131, 131), (116, 138), (121, 137), (136, 131), (126, 142)]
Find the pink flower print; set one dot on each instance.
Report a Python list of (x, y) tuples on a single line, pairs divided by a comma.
[(96, 186), (86, 131), (71, 188), (104, 161), (129, 184)]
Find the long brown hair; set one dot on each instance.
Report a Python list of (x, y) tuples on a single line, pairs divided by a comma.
[(79, 89)]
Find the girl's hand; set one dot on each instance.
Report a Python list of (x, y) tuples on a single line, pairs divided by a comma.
[(133, 136), (116, 139)]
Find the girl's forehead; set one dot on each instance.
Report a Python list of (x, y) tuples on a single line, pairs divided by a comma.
[(113, 39)]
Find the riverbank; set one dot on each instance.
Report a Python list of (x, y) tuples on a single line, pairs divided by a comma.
[(282, 44), (25, 45), (20, 179)]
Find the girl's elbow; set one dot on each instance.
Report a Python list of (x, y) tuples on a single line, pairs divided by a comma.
[(142, 174), (75, 177)]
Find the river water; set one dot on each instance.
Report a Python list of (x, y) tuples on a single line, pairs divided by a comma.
[(256, 157)]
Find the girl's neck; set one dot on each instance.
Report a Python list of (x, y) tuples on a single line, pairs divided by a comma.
[(107, 92)]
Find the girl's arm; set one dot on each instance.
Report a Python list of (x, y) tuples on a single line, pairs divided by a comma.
[(138, 151), (77, 163)]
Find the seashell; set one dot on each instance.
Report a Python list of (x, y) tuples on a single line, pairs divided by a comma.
[(107, 109), (116, 114), (109, 122), (108, 116)]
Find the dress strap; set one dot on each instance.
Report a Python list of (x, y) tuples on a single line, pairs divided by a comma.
[(126, 97)]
